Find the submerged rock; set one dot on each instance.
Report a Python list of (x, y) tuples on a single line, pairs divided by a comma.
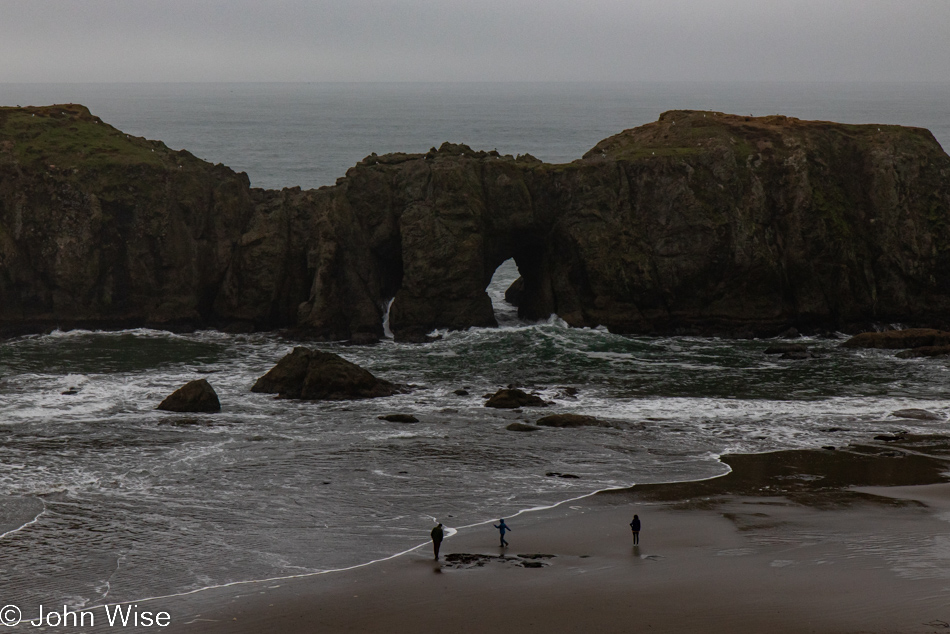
[(785, 348), (896, 339), (800, 355), (917, 414), (399, 418), (512, 398), (196, 396), (522, 427), (924, 351), (891, 437), (315, 375), (363, 339), (571, 420)]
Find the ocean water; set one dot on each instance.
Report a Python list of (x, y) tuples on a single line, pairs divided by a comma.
[(308, 135), (105, 499)]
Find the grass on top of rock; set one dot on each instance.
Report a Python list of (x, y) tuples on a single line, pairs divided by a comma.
[(69, 136)]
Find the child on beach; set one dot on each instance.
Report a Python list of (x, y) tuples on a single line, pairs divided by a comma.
[(635, 527), (502, 527)]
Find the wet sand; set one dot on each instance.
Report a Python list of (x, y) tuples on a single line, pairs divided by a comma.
[(808, 541)]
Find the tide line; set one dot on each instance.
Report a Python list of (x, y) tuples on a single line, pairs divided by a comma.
[(451, 532), (30, 523)]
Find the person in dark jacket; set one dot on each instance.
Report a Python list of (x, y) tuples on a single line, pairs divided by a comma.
[(502, 528), (635, 527), (437, 535)]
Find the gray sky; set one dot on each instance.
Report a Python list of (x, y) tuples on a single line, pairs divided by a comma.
[(473, 40)]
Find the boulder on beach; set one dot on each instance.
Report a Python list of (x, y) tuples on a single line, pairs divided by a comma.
[(196, 396), (512, 398), (315, 375), (897, 339), (571, 420)]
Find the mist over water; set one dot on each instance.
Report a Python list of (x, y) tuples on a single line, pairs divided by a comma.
[(103, 498)]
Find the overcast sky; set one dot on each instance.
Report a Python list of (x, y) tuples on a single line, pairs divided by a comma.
[(473, 40)]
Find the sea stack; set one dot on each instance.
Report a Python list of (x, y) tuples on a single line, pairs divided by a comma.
[(699, 223)]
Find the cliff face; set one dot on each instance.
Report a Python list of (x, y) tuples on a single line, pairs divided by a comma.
[(101, 229), (700, 222)]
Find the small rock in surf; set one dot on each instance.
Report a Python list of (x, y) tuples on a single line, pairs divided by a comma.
[(513, 398), (522, 427), (399, 418), (571, 420), (314, 375), (196, 396), (917, 414)]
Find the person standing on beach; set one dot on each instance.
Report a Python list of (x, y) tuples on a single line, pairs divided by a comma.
[(635, 527), (437, 535), (502, 528)]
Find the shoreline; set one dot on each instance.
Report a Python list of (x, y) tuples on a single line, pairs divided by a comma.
[(758, 549)]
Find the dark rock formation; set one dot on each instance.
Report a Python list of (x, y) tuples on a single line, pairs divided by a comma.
[(314, 375), (195, 396), (571, 420), (477, 560), (924, 351), (101, 229), (399, 418), (917, 414), (891, 437), (512, 398), (522, 427), (896, 339), (698, 223), (515, 292)]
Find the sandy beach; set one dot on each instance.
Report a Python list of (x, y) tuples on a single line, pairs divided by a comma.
[(807, 541)]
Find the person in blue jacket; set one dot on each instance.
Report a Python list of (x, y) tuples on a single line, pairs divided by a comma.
[(502, 528), (635, 527)]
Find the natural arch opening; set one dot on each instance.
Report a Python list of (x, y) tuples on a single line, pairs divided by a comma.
[(506, 312)]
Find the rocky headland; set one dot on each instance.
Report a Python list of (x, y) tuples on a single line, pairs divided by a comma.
[(699, 223)]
